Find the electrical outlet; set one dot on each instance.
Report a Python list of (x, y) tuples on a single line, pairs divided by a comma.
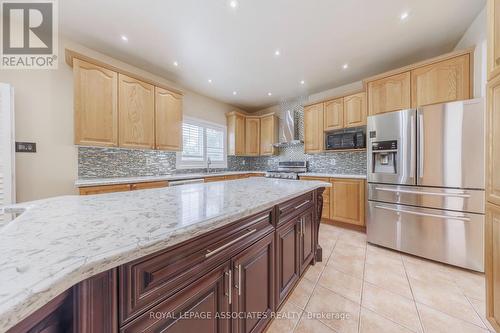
[(25, 147)]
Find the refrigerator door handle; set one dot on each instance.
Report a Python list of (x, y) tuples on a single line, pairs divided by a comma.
[(421, 145), (446, 217), (412, 149), (456, 195)]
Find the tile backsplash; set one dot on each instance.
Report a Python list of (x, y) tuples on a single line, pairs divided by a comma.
[(96, 162)]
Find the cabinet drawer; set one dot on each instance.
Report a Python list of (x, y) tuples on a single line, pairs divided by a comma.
[(147, 281), (294, 206)]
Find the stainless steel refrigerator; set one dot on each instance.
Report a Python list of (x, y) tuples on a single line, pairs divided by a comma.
[(426, 182)]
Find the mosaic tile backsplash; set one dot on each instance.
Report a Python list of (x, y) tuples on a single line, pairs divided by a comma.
[(118, 162)]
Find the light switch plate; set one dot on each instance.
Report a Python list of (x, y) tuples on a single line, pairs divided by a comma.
[(25, 147)]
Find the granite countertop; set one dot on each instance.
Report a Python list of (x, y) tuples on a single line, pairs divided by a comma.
[(332, 175), (56, 243), (126, 180)]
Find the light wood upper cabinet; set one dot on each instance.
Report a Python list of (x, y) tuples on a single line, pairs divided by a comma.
[(355, 110), (334, 114), (168, 122), (389, 94), (347, 201), (313, 128), (441, 82), (493, 142), (268, 134), (96, 105), (137, 113), (493, 38), (235, 134), (252, 136)]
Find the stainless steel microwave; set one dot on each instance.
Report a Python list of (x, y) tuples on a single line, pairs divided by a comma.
[(345, 139)]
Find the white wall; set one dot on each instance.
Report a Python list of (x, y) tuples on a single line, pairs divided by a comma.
[(44, 114), (476, 35)]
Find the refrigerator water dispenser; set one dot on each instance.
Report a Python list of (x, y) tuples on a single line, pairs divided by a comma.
[(385, 157)]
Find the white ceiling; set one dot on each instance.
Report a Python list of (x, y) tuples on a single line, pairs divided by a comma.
[(235, 47)]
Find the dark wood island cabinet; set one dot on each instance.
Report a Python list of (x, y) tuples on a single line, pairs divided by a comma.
[(231, 279)]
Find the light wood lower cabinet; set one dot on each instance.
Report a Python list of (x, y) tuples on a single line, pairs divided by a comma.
[(347, 201), (492, 264), (441, 82), (137, 113), (95, 104), (344, 201), (389, 94), (313, 128), (121, 187), (168, 120)]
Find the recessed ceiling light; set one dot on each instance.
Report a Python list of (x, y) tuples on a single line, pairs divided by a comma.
[(233, 3), (302, 82), (404, 16), (209, 80), (176, 63), (277, 53), (345, 66), (234, 92), (269, 94), (124, 38)]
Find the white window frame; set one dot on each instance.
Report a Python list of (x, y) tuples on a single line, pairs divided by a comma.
[(180, 164)]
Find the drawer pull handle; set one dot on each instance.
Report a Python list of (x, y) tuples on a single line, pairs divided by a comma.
[(302, 204), (465, 219), (457, 195), (217, 250)]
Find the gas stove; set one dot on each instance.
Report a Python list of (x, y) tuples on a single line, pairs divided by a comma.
[(288, 170)]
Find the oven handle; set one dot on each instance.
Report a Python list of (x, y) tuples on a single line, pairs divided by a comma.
[(458, 195), (465, 219)]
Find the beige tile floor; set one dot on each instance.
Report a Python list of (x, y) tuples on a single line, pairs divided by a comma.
[(364, 288)]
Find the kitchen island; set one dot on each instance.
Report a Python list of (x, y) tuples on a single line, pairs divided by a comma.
[(135, 261)]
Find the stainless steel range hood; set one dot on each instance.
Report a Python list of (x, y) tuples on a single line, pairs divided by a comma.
[(288, 132)]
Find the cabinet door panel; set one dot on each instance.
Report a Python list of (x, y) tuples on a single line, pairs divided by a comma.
[(441, 82), (235, 134), (205, 297), (334, 114), (493, 142), (254, 285), (306, 239), (252, 136), (389, 94), (268, 135), (96, 105), (492, 264), (493, 38), (168, 122), (137, 113), (347, 201), (313, 128), (355, 110), (287, 261)]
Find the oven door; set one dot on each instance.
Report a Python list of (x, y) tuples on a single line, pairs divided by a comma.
[(451, 237)]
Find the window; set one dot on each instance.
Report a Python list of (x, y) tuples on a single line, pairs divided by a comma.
[(202, 141)]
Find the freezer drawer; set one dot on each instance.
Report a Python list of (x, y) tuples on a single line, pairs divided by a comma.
[(450, 237), (429, 197)]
